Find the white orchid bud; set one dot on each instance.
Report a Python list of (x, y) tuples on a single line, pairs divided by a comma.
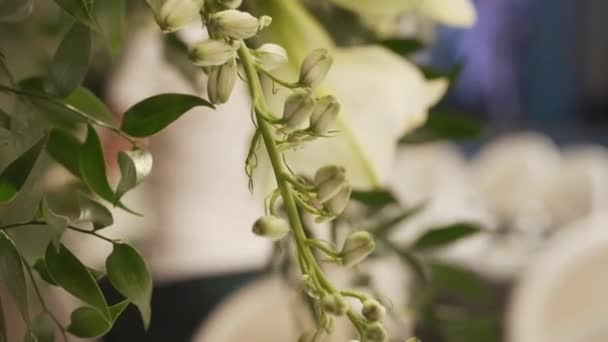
[(172, 15), (234, 24), (298, 108), (372, 310), (230, 4), (328, 181), (315, 67), (270, 56), (375, 332), (334, 304), (357, 247), (337, 204), (213, 52), (325, 114), (221, 81), (271, 227)]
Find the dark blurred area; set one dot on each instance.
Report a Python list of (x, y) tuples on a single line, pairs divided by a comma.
[(537, 64)]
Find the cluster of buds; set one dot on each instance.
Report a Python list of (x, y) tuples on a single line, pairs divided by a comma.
[(226, 26)]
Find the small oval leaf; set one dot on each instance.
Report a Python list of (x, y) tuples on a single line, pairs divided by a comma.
[(135, 165), (129, 274), (93, 167), (43, 272), (87, 322), (14, 176), (89, 104), (12, 275), (153, 114), (69, 273), (71, 61), (57, 223)]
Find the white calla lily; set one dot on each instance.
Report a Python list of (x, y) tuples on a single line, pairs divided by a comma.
[(382, 97), (459, 13)]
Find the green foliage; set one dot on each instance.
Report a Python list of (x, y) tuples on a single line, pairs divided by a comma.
[(153, 114), (69, 273), (14, 176), (12, 275), (81, 10), (3, 337), (43, 328), (111, 17), (71, 61), (442, 236), (129, 274), (444, 126), (15, 10)]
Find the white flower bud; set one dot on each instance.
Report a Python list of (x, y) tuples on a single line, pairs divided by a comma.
[(272, 227), (325, 114), (375, 332), (372, 310), (337, 204), (213, 52), (315, 67), (234, 24), (357, 247), (298, 108), (230, 4), (171, 15), (221, 82), (328, 181), (334, 304), (270, 56)]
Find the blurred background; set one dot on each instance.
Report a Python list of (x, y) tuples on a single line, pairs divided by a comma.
[(516, 148)]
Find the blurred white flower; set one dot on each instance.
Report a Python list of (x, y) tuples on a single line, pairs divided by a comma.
[(562, 295)]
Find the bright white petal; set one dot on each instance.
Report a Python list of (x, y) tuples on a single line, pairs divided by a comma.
[(382, 96)]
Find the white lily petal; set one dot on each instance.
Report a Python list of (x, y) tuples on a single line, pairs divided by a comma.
[(383, 97), (459, 13)]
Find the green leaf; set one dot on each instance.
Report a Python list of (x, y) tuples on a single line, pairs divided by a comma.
[(57, 223), (14, 176), (135, 165), (65, 149), (5, 120), (43, 272), (87, 322), (402, 46), (414, 263), (15, 10), (43, 328), (96, 213), (374, 198), (71, 61), (93, 167), (3, 333), (129, 274), (385, 227), (90, 105), (117, 309), (69, 273), (442, 236), (111, 18), (155, 113), (81, 10), (444, 125), (12, 275)]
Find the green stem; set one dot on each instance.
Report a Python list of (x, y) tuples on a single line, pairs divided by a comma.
[(42, 223), (278, 80)]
